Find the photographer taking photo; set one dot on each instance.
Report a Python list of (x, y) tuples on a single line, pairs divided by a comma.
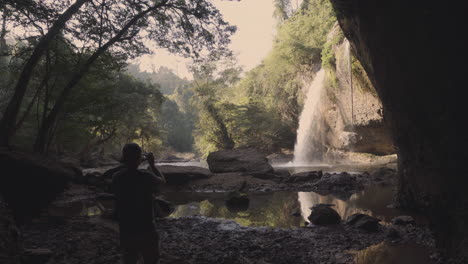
[(133, 189)]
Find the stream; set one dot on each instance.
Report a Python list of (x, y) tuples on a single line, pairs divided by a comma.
[(282, 209)]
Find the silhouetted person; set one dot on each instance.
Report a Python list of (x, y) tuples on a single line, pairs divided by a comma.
[(133, 189)]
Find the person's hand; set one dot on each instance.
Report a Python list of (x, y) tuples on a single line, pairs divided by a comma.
[(150, 158)]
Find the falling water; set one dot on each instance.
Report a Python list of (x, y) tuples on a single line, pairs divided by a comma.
[(306, 142)]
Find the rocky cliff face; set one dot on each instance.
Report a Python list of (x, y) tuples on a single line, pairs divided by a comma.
[(416, 58), (350, 115)]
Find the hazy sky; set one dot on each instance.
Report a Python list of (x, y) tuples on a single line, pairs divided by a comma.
[(252, 41)]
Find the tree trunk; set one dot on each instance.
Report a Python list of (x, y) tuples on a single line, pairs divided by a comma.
[(96, 143), (44, 131), (3, 45), (7, 124), (226, 140)]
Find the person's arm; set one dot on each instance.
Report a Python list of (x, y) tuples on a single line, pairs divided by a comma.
[(159, 176)]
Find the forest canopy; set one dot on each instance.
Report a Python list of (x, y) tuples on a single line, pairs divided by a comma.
[(67, 85)]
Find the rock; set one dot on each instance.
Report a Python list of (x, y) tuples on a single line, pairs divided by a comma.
[(237, 202), (29, 182), (340, 182), (109, 173), (172, 159), (392, 233), (403, 220), (163, 208), (36, 256), (238, 160), (181, 175), (10, 246), (364, 222), (282, 173), (93, 178), (263, 176), (280, 158), (323, 214), (77, 175), (307, 176), (383, 174)]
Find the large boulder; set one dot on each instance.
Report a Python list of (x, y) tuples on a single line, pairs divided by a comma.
[(29, 182), (163, 208), (180, 175), (237, 202), (364, 222), (307, 176), (384, 175), (403, 220), (337, 182), (238, 160), (323, 214)]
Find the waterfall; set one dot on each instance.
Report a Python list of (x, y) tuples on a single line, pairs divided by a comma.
[(306, 148), (350, 76)]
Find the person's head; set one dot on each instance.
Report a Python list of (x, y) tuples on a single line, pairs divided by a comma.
[(131, 155)]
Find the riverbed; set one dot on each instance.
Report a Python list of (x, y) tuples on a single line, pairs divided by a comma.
[(273, 228)]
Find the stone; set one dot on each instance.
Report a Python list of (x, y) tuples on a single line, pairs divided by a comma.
[(30, 182), (263, 176), (238, 160), (323, 214), (364, 222), (342, 181), (172, 159), (280, 158), (307, 176), (36, 256), (282, 174), (383, 174), (237, 202), (403, 220), (296, 214), (163, 208), (392, 233), (182, 175), (94, 179)]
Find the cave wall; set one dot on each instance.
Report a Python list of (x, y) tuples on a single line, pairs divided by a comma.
[(415, 55), (352, 115)]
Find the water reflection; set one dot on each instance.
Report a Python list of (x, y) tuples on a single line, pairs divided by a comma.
[(374, 201), (272, 209), (275, 209), (386, 253), (278, 209)]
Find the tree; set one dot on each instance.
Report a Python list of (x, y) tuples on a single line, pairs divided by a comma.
[(8, 121), (210, 80), (192, 28)]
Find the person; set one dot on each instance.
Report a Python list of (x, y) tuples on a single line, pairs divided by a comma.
[(133, 189)]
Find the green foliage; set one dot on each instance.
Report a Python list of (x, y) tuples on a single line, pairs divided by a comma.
[(98, 33), (261, 110), (265, 210), (176, 127), (328, 55)]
